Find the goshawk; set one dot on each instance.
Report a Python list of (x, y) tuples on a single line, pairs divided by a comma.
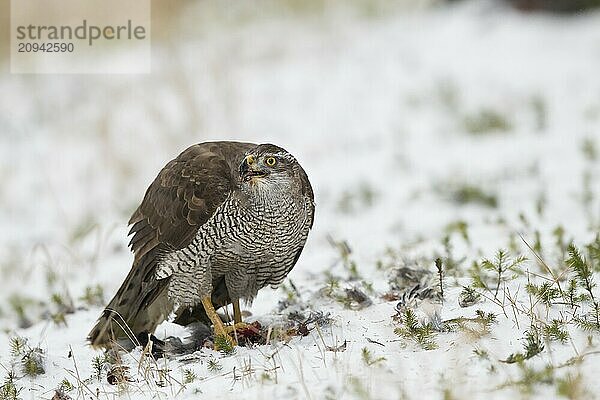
[(219, 222)]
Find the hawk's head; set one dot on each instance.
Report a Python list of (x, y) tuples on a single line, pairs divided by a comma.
[(268, 166)]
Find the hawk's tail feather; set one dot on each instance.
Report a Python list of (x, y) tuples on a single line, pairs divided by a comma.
[(103, 333), (140, 304)]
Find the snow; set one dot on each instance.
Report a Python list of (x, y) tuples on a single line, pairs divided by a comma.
[(362, 101)]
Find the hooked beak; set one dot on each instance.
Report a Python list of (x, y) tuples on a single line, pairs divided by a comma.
[(250, 169)]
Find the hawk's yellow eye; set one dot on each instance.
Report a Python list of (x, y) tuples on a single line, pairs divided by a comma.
[(270, 161)]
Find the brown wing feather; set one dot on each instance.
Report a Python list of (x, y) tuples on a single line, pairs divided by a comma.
[(184, 195), (307, 191)]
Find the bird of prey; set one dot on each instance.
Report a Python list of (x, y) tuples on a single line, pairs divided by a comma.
[(219, 222)]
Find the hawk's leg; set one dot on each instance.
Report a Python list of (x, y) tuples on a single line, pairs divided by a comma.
[(219, 328), (237, 317), (237, 313)]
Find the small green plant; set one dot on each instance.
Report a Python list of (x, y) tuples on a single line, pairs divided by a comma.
[(486, 319), (100, 364), (589, 149), (440, 270), (189, 376), (555, 331), (224, 345), (531, 377), (593, 250), (93, 296), (468, 297), (590, 320), (448, 94), (358, 388), (369, 359), (476, 327), (582, 270), (9, 390), (18, 346), (291, 292), (345, 252), (540, 204), (587, 196), (546, 293), (32, 362), (470, 194), (358, 199), (22, 308), (499, 267), (65, 386), (460, 227), (571, 295), (213, 365), (560, 242), (571, 386), (451, 263), (332, 284), (486, 121), (267, 377), (532, 346), (482, 354), (421, 333), (31, 359), (63, 303)]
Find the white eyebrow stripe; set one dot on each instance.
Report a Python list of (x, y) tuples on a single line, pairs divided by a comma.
[(287, 156)]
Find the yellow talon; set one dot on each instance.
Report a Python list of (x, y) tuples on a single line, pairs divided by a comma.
[(219, 328)]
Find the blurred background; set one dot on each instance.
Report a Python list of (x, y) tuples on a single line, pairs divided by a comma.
[(407, 115)]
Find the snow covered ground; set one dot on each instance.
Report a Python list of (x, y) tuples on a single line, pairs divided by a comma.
[(427, 132)]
